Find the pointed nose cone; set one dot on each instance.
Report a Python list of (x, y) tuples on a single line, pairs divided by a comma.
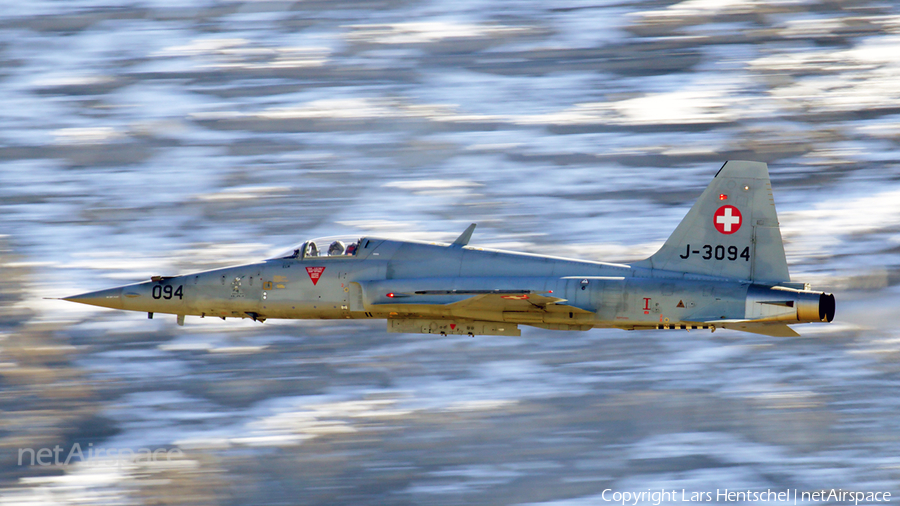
[(111, 298)]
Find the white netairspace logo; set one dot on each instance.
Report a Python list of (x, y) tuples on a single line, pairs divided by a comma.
[(94, 456)]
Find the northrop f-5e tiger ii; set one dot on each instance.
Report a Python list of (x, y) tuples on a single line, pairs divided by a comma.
[(723, 267)]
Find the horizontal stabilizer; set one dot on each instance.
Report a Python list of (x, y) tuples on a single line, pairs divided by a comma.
[(766, 329), (755, 327)]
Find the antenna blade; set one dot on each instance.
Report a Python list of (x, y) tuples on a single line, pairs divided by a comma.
[(463, 238)]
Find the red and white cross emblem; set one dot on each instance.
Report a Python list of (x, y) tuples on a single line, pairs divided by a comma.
[(727, 219)]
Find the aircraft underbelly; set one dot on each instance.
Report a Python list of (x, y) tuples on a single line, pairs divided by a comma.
[(654, 301)]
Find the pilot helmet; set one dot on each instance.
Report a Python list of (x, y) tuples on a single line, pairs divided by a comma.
[(336, 248)]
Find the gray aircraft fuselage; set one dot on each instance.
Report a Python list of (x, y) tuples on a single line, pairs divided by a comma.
[(729, 275)]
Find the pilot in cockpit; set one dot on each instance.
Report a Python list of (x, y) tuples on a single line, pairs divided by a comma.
[(311, 250), (336, 249)]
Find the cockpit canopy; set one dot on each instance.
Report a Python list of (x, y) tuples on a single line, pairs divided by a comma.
[(331, 247)]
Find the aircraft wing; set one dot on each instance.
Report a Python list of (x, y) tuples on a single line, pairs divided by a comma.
[(466, 295), (531, 301)]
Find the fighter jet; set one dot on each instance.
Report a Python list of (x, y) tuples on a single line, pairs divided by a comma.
[(724, 267)]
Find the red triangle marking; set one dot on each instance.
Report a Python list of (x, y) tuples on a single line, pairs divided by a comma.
[(452, 326), (315, 273)]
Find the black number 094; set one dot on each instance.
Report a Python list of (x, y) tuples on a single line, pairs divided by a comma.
[(167, 292)]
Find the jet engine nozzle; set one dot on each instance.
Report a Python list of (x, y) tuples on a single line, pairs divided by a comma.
[(816, 307), (784, 304)]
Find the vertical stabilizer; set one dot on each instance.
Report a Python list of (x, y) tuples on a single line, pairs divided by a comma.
[(732, 230)]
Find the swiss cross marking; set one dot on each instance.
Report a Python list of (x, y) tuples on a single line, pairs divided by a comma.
[(727, 219), (315, 273)]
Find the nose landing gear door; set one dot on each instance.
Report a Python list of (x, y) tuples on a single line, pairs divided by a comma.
[(249, 288)]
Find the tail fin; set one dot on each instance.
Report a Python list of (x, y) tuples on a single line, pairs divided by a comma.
[(732, 230)]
